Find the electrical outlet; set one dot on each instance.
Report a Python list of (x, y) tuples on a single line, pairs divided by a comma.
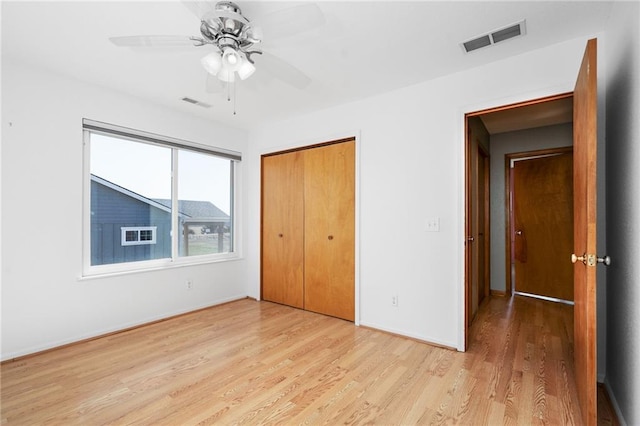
[(189, 285), (432, 224), (394, 300)]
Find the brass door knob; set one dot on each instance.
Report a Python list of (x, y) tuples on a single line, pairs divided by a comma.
[(591, 259), (575, 258)]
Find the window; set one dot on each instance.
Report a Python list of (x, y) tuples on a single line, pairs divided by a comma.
[(154, 201), (138, 235)]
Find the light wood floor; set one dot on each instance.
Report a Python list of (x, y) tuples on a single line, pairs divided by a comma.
[(251, 362)]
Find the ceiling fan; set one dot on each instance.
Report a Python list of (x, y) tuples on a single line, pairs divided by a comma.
[(236, 41)]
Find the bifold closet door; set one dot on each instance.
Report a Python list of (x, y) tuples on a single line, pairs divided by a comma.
[(283, 229), (329, 226)]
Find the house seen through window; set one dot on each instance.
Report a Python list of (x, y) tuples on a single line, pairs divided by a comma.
[(151, 201)]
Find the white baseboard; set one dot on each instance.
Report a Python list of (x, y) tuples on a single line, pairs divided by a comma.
[(614, 403), (424, 339), (113, 329)]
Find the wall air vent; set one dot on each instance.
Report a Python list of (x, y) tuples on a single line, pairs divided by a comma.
[(196, 102), (495, 36)]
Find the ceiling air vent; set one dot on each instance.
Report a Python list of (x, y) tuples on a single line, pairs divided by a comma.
[(495, 36), (196, 102), (476, 43)]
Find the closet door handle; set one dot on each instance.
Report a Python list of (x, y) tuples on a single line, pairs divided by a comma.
[(280, 235), (330, 237)]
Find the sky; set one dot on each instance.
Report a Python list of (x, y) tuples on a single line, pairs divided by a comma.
[(146, 169)]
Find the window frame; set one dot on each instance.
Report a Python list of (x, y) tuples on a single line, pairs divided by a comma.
[(175, 260)]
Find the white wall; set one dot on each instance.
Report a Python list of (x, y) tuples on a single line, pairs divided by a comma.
[(623, 210), (44, 304), (411, 161)]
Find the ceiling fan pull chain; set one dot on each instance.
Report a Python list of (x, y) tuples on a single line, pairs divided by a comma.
[(235, 98)]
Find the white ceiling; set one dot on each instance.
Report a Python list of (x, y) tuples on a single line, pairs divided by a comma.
[(549, 113), (364, 48)]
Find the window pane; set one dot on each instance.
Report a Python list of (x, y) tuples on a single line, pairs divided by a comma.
[(204, 204), (130, 188)]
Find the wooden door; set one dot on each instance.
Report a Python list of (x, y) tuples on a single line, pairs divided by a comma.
[(329, 197), (477, 241), (283, 229), (585, 104), (470, 264), (482, 206), (543, 224)]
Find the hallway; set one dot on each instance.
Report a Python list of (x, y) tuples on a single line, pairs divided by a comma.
[(529, 344)]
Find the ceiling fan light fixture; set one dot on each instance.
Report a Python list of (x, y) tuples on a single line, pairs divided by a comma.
[(231, 59), (229, 24), (246, 69), (212, 63), (226, 75)]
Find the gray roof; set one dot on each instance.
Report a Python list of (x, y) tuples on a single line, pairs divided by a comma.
[(203, 210)]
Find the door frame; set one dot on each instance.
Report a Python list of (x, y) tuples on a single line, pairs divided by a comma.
[(467, 281), (507, 200), (585, 141)]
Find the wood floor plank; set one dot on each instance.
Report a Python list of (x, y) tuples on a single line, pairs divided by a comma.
[(251, 362)]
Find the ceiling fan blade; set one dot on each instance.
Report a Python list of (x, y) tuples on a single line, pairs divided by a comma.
[(152, 41), (291, 21), (199, 8), (282, 70)]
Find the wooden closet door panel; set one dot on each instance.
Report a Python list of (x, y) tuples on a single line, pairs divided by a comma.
[(329, 194), (283, 229)]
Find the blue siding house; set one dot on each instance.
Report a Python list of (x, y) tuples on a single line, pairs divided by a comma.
[(128, 227)]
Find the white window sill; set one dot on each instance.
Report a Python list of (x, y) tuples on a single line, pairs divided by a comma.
[(93, 275)]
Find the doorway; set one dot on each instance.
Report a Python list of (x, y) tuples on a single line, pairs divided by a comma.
[(584, 102), (531, 119)]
